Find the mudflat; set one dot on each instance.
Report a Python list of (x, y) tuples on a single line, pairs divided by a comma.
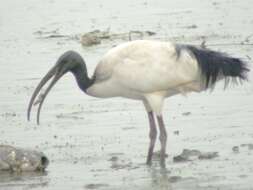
[(101, 144)]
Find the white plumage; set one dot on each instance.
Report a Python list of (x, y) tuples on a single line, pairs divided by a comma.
[(142, 69)]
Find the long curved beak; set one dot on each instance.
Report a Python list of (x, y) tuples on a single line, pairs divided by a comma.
[(52, 72)]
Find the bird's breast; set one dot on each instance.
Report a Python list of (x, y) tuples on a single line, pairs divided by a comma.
[(111, 88)]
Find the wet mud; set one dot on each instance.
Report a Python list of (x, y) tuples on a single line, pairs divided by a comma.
[(102, 144)]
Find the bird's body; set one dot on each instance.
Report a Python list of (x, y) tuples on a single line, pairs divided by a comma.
[(148, 71), (139, 68)]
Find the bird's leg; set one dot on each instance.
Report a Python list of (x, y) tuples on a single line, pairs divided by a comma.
[(152, 136), (163, 140)]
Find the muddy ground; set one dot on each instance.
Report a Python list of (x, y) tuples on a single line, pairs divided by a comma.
[(102, 144)]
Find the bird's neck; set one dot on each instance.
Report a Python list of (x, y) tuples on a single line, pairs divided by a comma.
[(82, 78)]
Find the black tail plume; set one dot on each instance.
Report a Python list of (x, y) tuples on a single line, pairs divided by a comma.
[(215, 64)]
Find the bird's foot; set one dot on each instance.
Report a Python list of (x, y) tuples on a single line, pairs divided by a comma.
[(162, 160), (162, 164), (149, 160)]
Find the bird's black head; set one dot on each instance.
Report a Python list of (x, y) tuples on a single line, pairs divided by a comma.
[(69, 61)]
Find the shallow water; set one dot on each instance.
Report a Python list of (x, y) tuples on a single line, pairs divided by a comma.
[(102, 144)]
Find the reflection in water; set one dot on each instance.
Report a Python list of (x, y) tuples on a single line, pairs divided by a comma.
[(160, 178), (26, 180)]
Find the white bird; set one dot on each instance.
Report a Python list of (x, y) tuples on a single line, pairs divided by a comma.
[(149, 71)]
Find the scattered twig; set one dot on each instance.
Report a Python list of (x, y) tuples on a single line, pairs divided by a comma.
[(248, 37), (203, 44), (136, 32), (55, 36), (248, 57), (231, 44)]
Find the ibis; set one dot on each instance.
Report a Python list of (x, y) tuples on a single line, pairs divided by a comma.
[(148, 71)]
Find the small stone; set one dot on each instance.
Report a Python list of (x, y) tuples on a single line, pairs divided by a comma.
[(235, 149), (186, 113), (90, 40), (113, 158), (174, 179)]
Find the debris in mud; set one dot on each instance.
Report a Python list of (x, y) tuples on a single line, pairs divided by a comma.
[(174, 179), (186, 154), (9, 114), (116, 154), (198, 38), (250, 146), (215, 3), (193, 26), (203, 43), (128, 128), (118, 164), (180, 158), (67, 116), (186, 113), (243, 176), (96, 186), (57, 36), (208, 155), (176, 132), (19, 160), (41, 32), (95, 37), (248, 39), (113, 158), (189, 155), (235, 149), (53, 34), (248, 57)]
